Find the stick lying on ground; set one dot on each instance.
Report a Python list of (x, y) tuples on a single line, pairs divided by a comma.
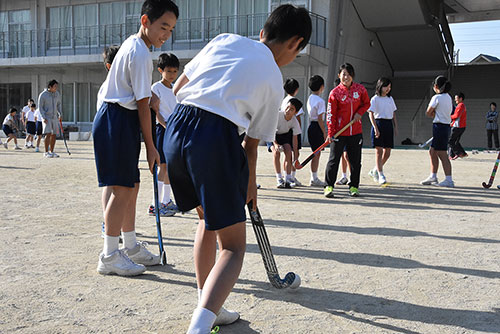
[(492, 177), (291, 279), (299, 165)]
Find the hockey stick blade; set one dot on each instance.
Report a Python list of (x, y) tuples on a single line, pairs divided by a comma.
[(487, 186), (266, 252)]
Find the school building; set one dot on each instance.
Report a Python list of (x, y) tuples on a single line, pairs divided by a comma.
[(407, 40)]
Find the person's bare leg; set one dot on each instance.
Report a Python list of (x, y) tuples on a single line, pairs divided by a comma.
[(315, 163), (344, 163), (38, 139), (46, 142), (52, 143), (276, 160), (106, 195), (118, 208), (378, 158), (287, 163), (443, 156), (129, 215), (204, 250), (434, 160), (386, 155)]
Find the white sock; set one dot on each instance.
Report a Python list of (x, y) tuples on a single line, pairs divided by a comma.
[(288, 177), (434, 175), (279, 176), (381, 173), (110, 244), (344, 175), (160, 188), (314, 175), (202, 321), (293, 174), (167, 189), (129, 239), (448, 178), (199, 296)]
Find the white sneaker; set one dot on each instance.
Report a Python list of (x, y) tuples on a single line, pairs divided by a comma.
[(226, 317), (55, 155), (37, 149), (118, 263), (430, 180), (381, 179), (317, 183), (281, 183), (291, 183), (447, 183), (17, 148), (342, 181), (47, 155), (5, 145), (296, 182), (374, 174), (140, 254)]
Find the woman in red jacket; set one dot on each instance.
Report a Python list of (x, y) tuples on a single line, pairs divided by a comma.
[(348, 101)]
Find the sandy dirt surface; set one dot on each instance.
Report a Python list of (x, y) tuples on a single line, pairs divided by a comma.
[(402, 259)]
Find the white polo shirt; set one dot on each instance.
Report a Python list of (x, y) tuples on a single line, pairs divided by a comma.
[(38, 115), (130, 76), (316, 106), (382, 107), (167, 99), (30, 116), (236, 78), (284, 126), (444, 106)]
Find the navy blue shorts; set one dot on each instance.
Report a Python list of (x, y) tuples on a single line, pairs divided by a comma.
[(386, 138), (206, 165), (117, 145), (160, 133), (31, 128), (285, 138), (440, 136), (315, 135), (39, 128), (7, 130)]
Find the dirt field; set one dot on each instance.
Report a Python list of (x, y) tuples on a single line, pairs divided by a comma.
[(402, 259)]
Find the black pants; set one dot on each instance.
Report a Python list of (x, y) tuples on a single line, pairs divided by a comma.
[(492, 133), (353, 145), (454, 146)]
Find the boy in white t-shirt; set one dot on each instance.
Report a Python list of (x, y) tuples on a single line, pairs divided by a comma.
[(316, 133), (30, 122), (39, 128), (440, 107), (384, 127), (291, 88), (221, 95), (286, 140), (124, 112), (24, 111), (163, 103), (9, 127)]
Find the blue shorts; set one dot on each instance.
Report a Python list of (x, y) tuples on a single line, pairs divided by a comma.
[(315, 135), (160, 133), (7, 130), (31, 128), (285, 138), (440, 136), (386, 138), (39, 128), (206, 165), (117, 145)]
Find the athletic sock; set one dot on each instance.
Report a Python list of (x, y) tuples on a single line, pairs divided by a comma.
[(288, 178), (293, 174), (165, 198), (129, 239), (202, 321), (160, 188), (434, 175), (448, 178), (279, 176), (199, 295), (344, 175), (110, 244), (314, 175), (381, 173)]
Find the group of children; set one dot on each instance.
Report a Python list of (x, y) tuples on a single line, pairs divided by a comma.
[(32, 121)]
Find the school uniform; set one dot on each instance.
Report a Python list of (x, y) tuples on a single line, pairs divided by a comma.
[(383, 108), (443, 105), (225, 97), (284, 103), (458, 124), (168, 102), (287, 129), (116, 128), (8, 125), (30, 122), (39, 121), (316, 106)]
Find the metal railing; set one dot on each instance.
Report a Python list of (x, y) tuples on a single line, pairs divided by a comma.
[(189, 34)]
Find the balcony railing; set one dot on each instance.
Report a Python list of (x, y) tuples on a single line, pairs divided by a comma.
[(189, 34)]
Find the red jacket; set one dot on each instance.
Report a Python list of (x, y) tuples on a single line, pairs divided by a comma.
[(343, 103), (459, 117)]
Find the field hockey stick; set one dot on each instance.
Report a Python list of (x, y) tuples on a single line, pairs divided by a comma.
[(492, 177), (291, 279), (163, 255), (62, 131), (299, 165), (426, 143)]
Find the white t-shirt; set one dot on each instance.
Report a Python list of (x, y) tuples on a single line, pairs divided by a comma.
[(227, 78), (444, 106), (25, 110), (284, 126), (316, 106), (382, 107), (30, 116), (38, 115), (167, 99), (130, 76), (285, 103)]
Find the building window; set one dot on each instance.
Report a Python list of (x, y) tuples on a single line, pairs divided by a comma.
[(68, 111), (85, 25), (252, 14), (59, 23), (15, 33), (190, 27)]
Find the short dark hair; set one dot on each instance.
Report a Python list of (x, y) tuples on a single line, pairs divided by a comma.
[(296, 103), (381, 83), (31, 100), (461, 95), (12, 109), (33, 105), (168, 60), (442, 83), (288, 21), (493, 103), (52, 83), (316, 82), (290, 86), (349, 68), (109, 54), (155, 9)]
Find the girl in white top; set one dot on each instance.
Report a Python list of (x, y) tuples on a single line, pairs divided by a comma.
[(30, 126), (384, 127), (440, 108)]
